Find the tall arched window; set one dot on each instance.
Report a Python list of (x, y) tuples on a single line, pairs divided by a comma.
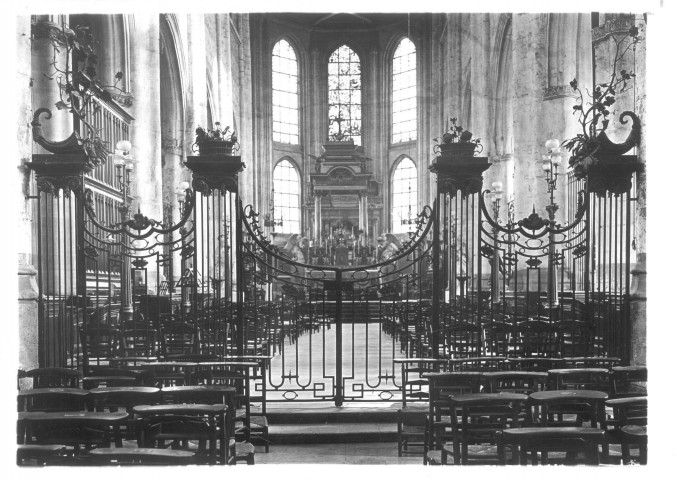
[(285, 94), (287, 197), (404, 92), (405, 192), (345, 95)]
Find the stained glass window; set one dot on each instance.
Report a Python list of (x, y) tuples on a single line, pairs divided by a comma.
[(345, 95), (287, 198), (404, 195), (404, 92), (285, 94)]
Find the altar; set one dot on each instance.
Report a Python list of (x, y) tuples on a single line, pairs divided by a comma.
[(348, 203)]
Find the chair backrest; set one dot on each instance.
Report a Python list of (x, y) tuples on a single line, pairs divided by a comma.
[(53, 400), (539, 338), (178, 424), (523, 382), (579, 379), (414, 386), (99, 343), (575, 338), (463, 339), (590, 362), (51, 377), (482, 414), (99, 375), (629, 381), (534, 364), (179, 338), (122, 398), (629, 411), (501, 337), (444, 385), (477, 364), (140, 341)]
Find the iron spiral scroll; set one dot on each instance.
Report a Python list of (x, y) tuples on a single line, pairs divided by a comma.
[(149, 234)]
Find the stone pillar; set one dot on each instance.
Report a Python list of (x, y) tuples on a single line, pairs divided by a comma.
[(372, 137), (246, 177), (569, 57), (146, 129), (638, 296), (27, 315), (224, 62), (318, 219), (529, 59)]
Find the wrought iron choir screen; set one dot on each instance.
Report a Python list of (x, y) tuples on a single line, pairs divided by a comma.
[(466, 283)]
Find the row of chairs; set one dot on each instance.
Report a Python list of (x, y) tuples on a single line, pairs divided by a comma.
[(153, 418), (254, 424), (419, 401), (532, 424)]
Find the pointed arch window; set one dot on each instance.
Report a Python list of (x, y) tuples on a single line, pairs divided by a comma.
[(285, 94), (345, 95), (404, 92), (404, 196), (287, 197)]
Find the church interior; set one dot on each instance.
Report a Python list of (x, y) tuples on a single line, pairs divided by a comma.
[(338, 238)]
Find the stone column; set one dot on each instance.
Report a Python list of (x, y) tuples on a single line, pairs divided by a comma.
[(246, 177), (372, 137), (224, 63), (530, 60), (365, 216), (146, 129), (638, 295), (569, 57), (27, 314), (318, 218)]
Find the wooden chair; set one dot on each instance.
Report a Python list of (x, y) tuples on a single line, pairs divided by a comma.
[(237, 375), (50, 378), (528, 442), (114, 399), (214, 395), (567, 408), (180, 424), (139, 340), (575, 338), (635, 435), (78, 430), (257, 396), (625, 411), (411, 418), (100, 343), (539, 338), (628, 381), (179, 338), (501, 338), (441, 387), (476, 419), (464, 339)]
